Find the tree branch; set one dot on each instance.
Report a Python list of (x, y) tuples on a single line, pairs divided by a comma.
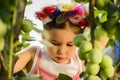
[(91, 19)]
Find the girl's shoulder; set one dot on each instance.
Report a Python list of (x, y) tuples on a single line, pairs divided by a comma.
[(33, 50), (28, 52)]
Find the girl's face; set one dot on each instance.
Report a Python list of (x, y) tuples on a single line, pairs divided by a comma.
[(63, 47)]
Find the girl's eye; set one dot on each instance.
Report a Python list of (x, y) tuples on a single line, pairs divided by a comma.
[(55, 43), (69, 45)]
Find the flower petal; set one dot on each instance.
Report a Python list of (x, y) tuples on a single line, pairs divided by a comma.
[(49, 10), (79, 9), (40, 15), (83, 22)]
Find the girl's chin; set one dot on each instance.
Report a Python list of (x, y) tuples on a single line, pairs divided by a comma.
[(63, 61)]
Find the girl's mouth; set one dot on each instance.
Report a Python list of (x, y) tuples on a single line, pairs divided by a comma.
[(61, 58)]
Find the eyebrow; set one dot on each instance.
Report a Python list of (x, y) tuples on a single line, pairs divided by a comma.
[(58, 41)]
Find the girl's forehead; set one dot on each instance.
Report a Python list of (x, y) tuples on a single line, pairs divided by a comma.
[(62, 34)]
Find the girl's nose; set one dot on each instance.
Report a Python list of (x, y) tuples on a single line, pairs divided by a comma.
[(61, 50)]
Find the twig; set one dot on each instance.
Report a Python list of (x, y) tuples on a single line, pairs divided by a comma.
[(3, 68)]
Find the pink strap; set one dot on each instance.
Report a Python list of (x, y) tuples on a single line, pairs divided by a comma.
[(38, 70)]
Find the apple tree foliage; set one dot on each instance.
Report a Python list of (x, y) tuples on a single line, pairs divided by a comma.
[(104, 19), (14, 36)]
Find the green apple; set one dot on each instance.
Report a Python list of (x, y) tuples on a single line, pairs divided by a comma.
[(78, 39), (85, 47), (92, 69), (106, 61), (83, 56), (93, 77), (108, 72), (100, 33), (104, 77), (2, 43), (95, 56), (3, 28), (99, 4), (27, 25)]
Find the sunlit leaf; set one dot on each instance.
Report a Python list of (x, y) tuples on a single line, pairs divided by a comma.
[(103, 17), (98, 12)]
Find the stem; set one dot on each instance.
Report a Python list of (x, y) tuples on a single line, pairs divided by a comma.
[(14, 16), (10, 55), (11, 43), (11, 47), (91, 19), (37, 30)]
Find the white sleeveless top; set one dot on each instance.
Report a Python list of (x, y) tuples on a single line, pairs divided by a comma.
[(51, 66)]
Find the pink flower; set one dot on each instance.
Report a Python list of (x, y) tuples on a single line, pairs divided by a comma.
[(49, 10), (79, 9)]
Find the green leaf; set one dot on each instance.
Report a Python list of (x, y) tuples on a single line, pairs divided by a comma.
[(110, 43), (64, 77), (60, 19), (103, 18), (83, 74), (26, 45), (101, 15), (111, 8), (117, 33), (98, 12)]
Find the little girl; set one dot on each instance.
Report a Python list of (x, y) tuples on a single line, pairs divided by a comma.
[(63, 24)]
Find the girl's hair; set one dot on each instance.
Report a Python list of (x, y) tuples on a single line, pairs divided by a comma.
[(54, 25), (66, 15)]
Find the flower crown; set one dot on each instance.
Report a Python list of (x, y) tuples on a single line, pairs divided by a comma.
[(75, 13)]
